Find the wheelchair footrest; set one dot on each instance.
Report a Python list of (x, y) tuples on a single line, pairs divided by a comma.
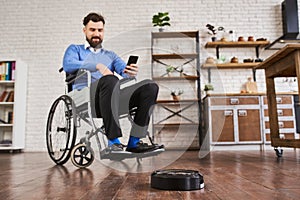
[(121, 155)]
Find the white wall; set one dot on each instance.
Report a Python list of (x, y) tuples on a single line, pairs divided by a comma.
[(38, 32)]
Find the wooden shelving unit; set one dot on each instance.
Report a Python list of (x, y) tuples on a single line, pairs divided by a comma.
[(171, 115), (236, 44)]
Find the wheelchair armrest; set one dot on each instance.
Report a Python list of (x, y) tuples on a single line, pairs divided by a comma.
[(72, 77), (126, 80)]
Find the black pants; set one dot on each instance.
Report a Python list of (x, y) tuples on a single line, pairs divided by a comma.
[(111, 101)]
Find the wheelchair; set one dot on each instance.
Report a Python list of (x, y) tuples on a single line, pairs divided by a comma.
[(65, 117)]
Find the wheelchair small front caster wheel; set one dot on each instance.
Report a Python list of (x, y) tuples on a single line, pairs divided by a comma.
[(81, 156), (279, 152)]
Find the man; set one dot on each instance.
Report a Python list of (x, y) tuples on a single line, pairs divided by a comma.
[(109, 99)]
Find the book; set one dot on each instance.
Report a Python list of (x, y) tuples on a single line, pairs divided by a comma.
[(10, 117), (2, 70), (3, 95), (2, 121), (8, 93), (10, 97), (13, 69)]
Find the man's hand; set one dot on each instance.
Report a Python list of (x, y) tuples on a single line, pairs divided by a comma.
[(103, 69), (131, 70)]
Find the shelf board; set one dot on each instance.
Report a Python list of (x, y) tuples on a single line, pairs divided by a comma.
[(7, 82), (6, 125), (5, 146), (231, 65), (6, 103), (174, 56), (162, 101), (237, 44), (179, 34), (169, 78)]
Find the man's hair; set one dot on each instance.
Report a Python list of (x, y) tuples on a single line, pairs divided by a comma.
[(95, 17)]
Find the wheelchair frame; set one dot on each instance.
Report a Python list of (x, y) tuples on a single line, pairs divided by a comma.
[(76, 107)]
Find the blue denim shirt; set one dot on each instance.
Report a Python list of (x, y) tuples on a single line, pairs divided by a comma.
[(78, 57)]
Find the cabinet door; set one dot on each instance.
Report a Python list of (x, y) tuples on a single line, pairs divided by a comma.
[(222, 126), (249, 125)]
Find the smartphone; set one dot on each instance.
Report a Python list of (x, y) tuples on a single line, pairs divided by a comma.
[(132, 60)]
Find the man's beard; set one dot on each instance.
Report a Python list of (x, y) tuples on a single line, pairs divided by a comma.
[(95, 44)]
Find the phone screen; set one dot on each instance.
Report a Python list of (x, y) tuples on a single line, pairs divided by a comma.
[(132, 60)]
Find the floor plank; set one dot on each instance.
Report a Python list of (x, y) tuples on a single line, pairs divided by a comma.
[(229, 175)]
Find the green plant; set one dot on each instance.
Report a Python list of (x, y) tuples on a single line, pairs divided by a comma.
[(170, 68), (161, 19), (208, 87)]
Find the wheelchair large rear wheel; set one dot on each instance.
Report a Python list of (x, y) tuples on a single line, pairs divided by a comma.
[(61, 129)]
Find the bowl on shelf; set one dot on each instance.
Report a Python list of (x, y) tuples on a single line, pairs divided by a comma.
[(250, 38), (258, 60), (261, 39), (234, 60), (248, 60), (241, 39)]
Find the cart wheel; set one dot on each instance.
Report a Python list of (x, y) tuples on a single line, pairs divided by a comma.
[(81, 156), (279, 152), (61, 129)]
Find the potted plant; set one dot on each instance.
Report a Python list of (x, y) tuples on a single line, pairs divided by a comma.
[(170, 69), (213, 31), (208, 88), (161, 19), (176, 94)]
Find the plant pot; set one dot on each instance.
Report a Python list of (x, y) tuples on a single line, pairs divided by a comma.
[(161, 29), (176, 97), (213, 39), (208, 92)]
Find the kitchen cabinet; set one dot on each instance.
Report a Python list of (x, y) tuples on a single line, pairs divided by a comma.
[(233, 120), (244, 119), (286, 118)]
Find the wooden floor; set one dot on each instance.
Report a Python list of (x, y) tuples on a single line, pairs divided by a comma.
[(228, 175)]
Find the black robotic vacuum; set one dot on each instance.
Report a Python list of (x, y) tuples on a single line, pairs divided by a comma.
[(177, 179)]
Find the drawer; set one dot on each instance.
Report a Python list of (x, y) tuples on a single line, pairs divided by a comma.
[(219, 101), (279, 100), (281, 135), (281, 124), (281, 112)]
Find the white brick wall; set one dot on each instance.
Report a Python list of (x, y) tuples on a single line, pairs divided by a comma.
[(38, 32)]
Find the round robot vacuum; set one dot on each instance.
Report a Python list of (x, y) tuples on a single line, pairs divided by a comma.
[(177, 179)]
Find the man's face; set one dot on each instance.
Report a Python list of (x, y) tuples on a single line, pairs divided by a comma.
[(94, 32)]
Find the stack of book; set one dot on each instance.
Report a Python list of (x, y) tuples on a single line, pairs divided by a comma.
[(7, 70), (9, 118), (7, 96)]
